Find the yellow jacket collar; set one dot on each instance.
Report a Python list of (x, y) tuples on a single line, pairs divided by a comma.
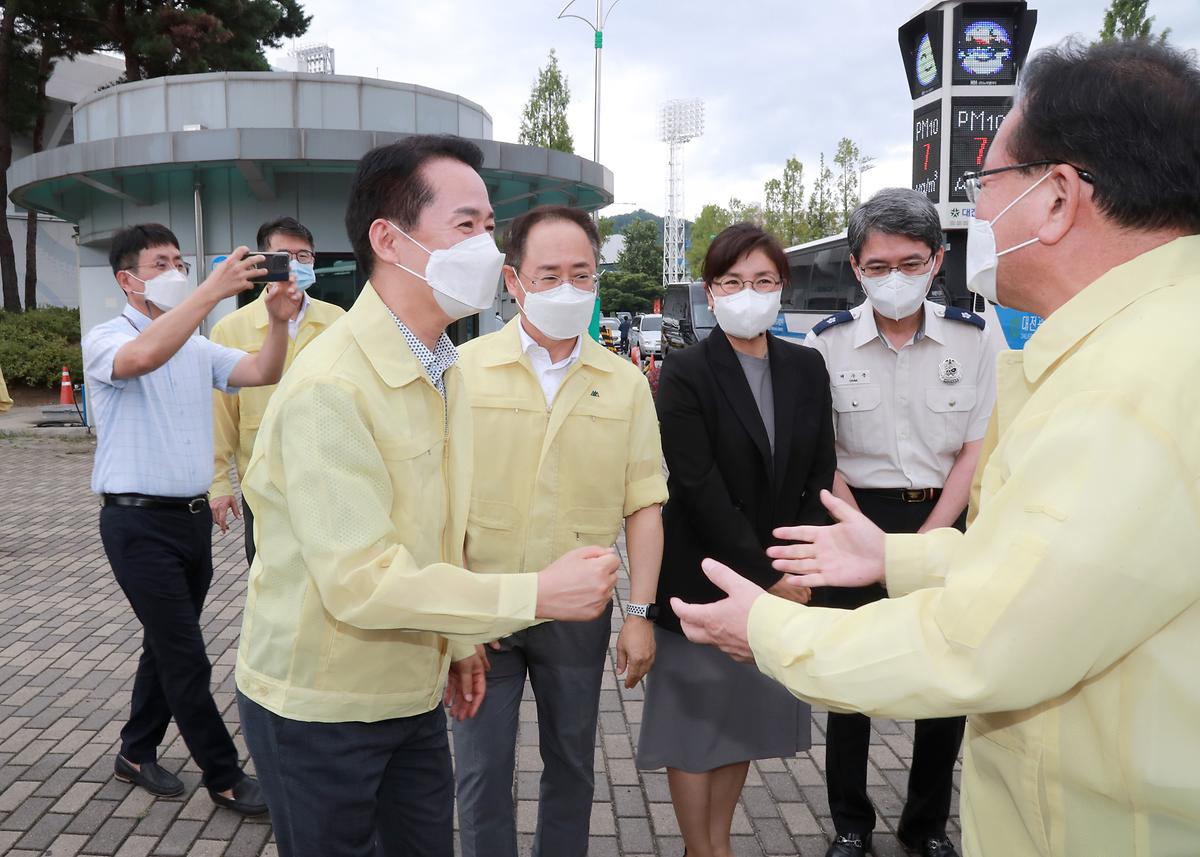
[(506, 348), (1112, 292), (381, 341)]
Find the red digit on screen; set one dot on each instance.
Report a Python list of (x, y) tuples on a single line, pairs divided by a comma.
[(926, 167), (983, 141)]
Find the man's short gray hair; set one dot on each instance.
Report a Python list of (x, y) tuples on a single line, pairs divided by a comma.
[(895, 211)]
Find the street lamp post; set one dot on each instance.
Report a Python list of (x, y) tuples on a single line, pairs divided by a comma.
[(597, 28)]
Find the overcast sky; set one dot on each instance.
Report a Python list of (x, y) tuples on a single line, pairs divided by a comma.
[(778, 77)]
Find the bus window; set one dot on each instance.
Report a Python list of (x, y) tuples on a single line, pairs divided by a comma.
[(799, 271), (833, 285)]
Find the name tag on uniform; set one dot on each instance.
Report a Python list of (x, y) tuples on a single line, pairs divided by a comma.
[(853, 376)]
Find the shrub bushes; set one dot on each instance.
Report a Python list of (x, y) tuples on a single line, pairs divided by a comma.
[(35, 345)]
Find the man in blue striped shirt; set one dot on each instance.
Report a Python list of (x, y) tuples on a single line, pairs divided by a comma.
[(149, 380)]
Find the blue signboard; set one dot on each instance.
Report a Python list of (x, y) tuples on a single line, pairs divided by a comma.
[(1017, 326)]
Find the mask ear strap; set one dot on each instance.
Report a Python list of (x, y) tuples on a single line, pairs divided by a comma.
[(1019, 246), (1020, 197), (409, 237)]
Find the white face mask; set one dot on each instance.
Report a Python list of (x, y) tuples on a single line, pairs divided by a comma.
[(562, 312), (897, 295), (748, 313), (982, 258), (169, 289), (464, 278)]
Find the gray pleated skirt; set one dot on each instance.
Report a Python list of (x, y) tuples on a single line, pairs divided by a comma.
[(704, 710)]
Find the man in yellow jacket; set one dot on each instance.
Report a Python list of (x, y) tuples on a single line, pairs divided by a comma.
[(1064, 622), (358, 600), (236, 417), (566, 450)]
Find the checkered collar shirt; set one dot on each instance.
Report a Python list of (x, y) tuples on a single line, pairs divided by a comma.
[(435, 362)]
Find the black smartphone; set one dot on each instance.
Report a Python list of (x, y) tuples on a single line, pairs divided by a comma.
[(276, 265)]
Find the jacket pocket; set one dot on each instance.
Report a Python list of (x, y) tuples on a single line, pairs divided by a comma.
[(591, 526), (492, 544), (859, 419), (949, 414)]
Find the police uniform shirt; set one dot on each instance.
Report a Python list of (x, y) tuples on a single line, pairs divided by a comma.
[(902, 416)]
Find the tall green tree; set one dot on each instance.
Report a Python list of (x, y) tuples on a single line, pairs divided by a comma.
[(642, 253), (821, 215), (625, 292), (160, 37), (59, 29), (783, 204), (544, 121), (18, 110), (1126, 21), (792, 203), (709, 224), (848, 194), (746, 212)]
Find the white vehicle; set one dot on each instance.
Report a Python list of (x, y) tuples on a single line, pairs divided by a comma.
[(646, 335)]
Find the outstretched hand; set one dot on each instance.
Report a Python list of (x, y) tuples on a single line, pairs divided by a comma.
[(724, 624), (848, 553)]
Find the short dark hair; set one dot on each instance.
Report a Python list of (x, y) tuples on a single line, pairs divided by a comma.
[(128, 244), (518, 231), (388, 183), (1128, 113), (895, 211), (735, 242), (283, 226)]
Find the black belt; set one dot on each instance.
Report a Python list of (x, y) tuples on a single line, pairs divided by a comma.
[(195, 505), (904, 495)]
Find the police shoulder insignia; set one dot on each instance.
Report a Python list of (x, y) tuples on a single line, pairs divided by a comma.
[(955, 314), (834, 320)]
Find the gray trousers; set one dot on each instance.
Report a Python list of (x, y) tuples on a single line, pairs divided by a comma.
[(565, 662)]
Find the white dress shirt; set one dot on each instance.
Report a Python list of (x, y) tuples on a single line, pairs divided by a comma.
[(902, 415), (549, 374), (154, 433)]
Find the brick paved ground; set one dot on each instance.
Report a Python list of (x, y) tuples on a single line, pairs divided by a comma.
[(68, 648)]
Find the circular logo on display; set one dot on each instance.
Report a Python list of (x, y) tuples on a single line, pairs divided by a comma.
[(986, 50), (949, 371)]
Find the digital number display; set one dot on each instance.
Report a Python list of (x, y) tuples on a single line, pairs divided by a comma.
[(973, 126), (927, 150), (984, 51)]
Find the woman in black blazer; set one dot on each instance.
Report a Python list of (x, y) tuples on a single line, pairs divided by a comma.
[(747, 433)]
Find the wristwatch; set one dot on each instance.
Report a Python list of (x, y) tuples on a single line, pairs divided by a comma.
[(643, 611)]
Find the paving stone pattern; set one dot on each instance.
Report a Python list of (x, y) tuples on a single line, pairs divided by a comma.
[(68, 649)]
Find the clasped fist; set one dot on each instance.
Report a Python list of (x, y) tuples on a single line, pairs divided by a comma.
[(578, 585)]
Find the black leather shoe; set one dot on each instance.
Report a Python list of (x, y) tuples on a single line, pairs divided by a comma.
[(247, 798), (849, 845), (152, 776), (933, 846)]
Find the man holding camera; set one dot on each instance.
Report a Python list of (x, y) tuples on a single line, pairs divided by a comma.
[(236, 417), (149, 379)]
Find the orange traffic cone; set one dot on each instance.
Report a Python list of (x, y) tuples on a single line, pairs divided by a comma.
[(66, 393)]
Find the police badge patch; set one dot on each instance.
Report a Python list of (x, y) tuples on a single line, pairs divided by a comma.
[(948, 371)]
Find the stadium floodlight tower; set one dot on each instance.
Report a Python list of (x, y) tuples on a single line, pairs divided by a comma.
[(680, 120), (314, 58)]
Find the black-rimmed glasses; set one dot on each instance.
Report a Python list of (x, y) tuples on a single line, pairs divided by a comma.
[(973, 183)]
